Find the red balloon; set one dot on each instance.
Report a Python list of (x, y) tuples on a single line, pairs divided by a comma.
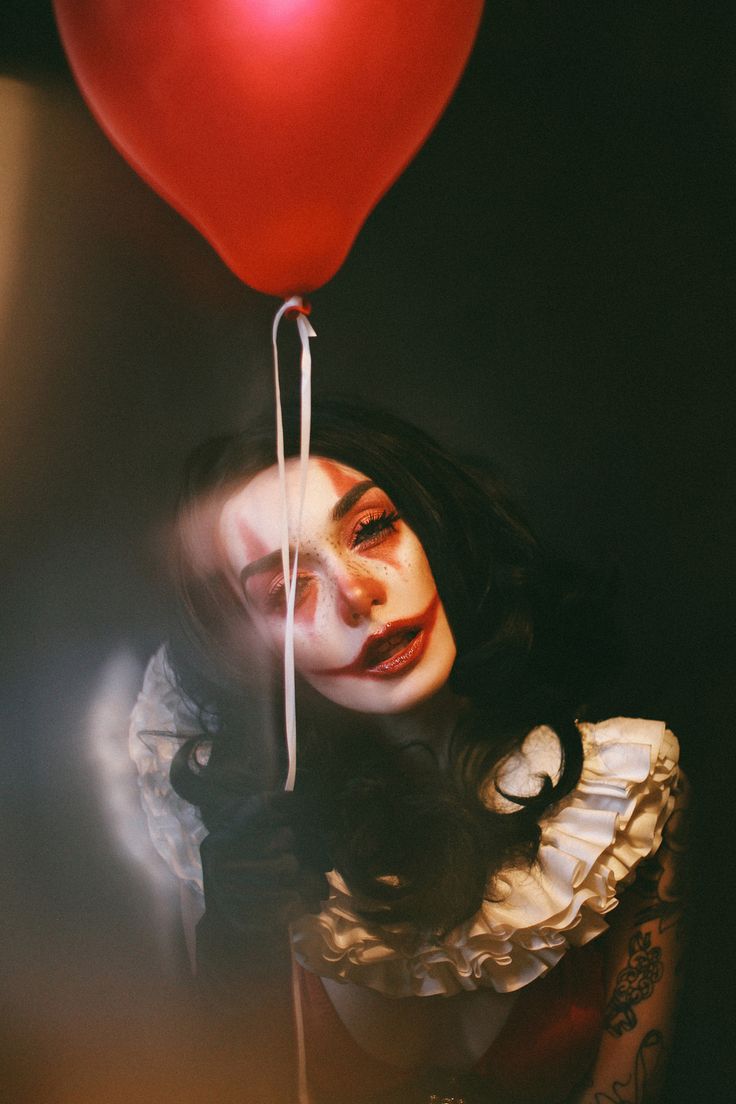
[(274, 126)]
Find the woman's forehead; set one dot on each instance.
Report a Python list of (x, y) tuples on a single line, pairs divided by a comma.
[(325, 478), (251, 517)]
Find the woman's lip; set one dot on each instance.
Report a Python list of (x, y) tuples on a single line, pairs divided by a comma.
[(398, 662), (364, 665)]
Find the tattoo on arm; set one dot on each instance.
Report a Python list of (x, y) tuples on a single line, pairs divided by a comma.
[(634, 984), (656, 908), (662, 881), (640, 1087)]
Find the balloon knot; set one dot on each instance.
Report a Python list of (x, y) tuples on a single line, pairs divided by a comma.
[(304, 308)]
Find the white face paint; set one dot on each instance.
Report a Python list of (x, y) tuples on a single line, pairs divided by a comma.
[(370, 631)]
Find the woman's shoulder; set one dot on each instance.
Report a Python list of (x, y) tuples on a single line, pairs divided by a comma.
[(617, 810), (625, 793), (594, 839), (162, 719), (591, 844), (630, 748), (622, 751)]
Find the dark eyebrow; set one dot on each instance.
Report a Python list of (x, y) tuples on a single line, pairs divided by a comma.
[(339, 510), (348, 500), (265, 563)]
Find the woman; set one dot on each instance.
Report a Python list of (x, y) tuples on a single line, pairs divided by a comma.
[(458, 833)]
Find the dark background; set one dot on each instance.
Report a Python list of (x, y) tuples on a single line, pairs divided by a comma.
[(550, 282)]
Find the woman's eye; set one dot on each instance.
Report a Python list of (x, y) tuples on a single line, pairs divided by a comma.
[(373, 528), (276, 594)]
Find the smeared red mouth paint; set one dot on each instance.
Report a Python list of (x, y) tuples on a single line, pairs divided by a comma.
[(394, 649)]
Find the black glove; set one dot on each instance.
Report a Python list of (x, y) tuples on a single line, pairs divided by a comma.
[(256, 882)]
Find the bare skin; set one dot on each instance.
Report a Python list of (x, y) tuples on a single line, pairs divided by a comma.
[(416, 1032)]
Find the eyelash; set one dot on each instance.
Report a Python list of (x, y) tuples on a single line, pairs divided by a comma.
[(372, 529), (369, 531), (276, 596)]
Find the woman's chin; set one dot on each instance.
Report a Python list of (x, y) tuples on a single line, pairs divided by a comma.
[(383, 696), (393, 687)]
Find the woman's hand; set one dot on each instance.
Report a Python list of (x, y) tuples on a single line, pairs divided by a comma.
[(253, 878), (257, 880)]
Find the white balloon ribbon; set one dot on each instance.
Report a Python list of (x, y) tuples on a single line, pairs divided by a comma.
[(290, 570), (291, 574)]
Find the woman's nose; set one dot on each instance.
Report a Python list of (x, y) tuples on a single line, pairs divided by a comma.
[(357, 594)]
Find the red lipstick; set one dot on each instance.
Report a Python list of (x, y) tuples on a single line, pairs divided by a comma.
[(394, 649)]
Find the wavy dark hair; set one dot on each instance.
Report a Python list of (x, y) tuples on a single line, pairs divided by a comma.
[(414, 841)]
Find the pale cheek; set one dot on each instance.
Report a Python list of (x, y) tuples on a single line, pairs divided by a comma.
[(413, 569), (271, 632), (306, 610), (309, 643), (315, 634), (315, 629)]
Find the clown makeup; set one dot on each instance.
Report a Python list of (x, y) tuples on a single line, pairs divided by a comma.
[(370, 631)]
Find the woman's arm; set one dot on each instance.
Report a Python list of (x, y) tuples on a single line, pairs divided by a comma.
[(644, 962), (254, 886)]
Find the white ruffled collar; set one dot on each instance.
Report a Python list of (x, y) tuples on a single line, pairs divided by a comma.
[(590, 845), (591, 842)]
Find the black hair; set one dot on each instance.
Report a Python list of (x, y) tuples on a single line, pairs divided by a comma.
[(415, 843)]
